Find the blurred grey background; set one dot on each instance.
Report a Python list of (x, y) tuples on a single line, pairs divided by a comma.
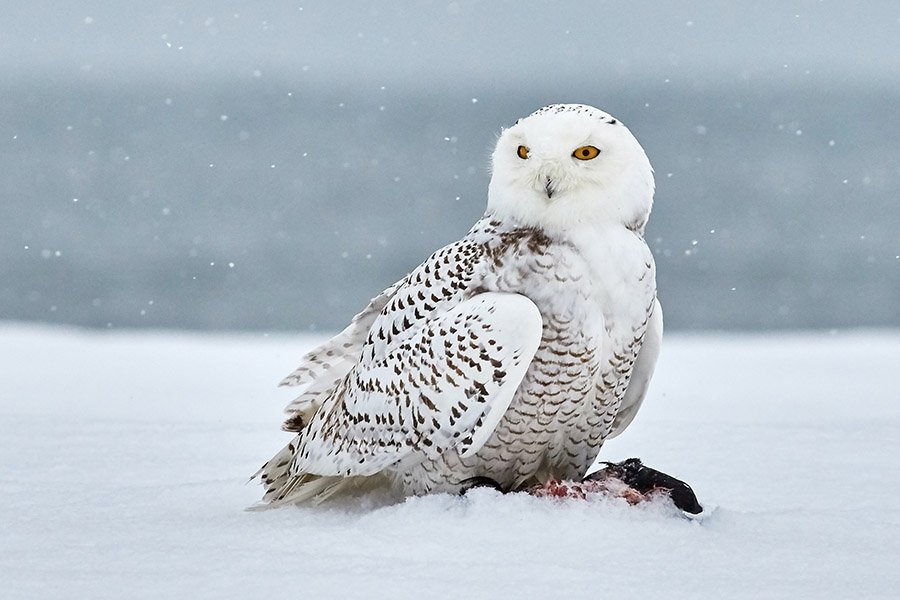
[(250, 165)]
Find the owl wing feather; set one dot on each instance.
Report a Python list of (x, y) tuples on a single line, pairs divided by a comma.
[(444, 386), (322, 368)]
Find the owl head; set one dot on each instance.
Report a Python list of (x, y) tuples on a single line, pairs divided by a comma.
[(570, 165)]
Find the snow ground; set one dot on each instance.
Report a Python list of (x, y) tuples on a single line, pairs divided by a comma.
[(125, 458)]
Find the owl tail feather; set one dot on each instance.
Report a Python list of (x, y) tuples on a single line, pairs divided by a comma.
[(283, 488)]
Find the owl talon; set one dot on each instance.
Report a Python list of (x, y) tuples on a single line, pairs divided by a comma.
[(479, 482), (646, 480)]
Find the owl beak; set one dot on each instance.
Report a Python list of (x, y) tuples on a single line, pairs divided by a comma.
[(548, 187)]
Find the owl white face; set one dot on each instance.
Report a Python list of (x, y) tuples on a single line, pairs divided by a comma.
[(570, 164)]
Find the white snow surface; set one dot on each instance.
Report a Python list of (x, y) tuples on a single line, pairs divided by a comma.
[(125, 459)]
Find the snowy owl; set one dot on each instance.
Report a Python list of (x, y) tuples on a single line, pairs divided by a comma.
[(508, 356)]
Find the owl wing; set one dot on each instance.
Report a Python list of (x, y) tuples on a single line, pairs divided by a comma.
[(642, 373), (444, 386), (322, 369)]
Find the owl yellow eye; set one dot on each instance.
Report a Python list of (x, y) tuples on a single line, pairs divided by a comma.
[(586, 152), (522, 152)]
